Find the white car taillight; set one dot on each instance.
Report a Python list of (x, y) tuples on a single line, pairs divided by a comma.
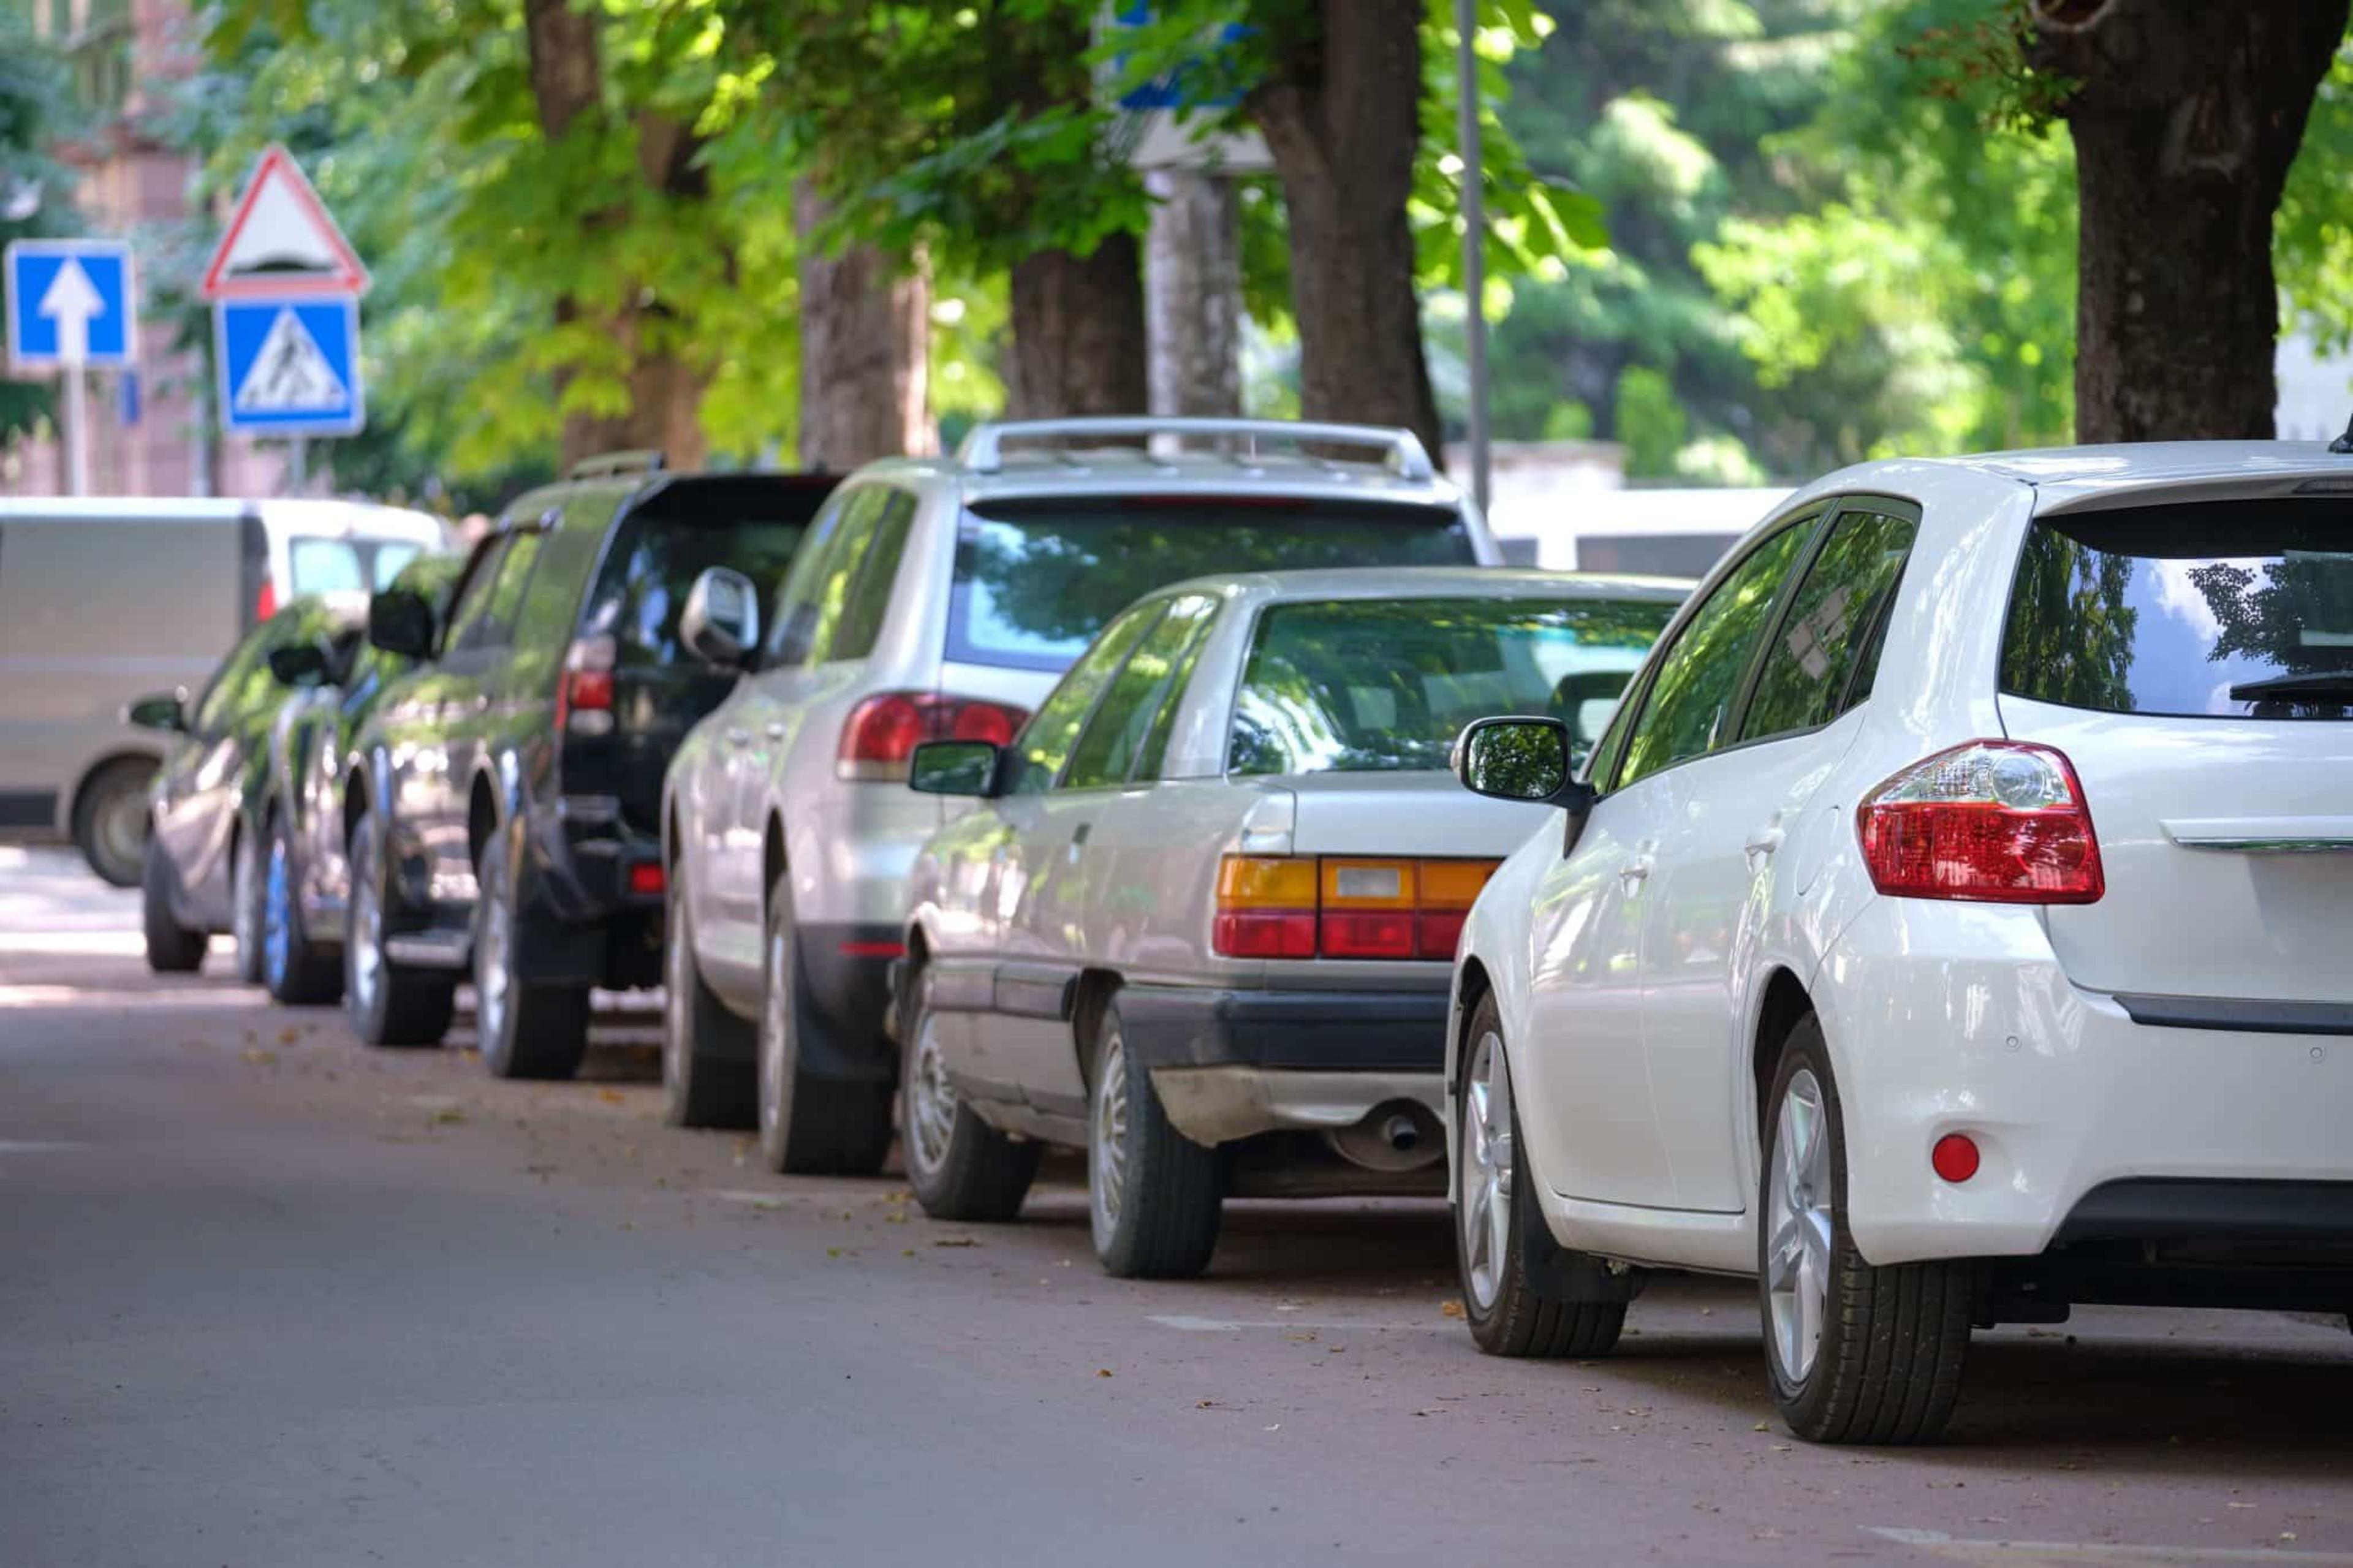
[(584, 694), (1995, 821)]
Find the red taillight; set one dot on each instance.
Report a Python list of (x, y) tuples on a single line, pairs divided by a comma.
[(1992, 821), (584, 692), (1336, 907), (265, 601), (883, 730), (646, 877)]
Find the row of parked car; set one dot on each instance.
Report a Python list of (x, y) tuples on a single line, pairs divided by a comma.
[(1091, 788)]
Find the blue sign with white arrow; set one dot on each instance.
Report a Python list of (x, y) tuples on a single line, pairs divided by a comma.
[(289, 366), (71, 302)]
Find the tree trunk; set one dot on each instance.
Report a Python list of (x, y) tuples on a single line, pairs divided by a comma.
[(2185, 118), (1343, 122), (1079, 343), (865, 350), (1193, 294)]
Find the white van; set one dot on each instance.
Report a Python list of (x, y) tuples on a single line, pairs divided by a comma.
[(102, 601)]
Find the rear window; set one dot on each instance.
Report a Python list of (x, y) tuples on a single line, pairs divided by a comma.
[(2234, 610), (1036, 580), (1373, 685), (671, 538), (347, 566)]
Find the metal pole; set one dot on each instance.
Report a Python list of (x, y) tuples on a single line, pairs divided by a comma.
[(76, 415), (298, 464), (1474, 235)]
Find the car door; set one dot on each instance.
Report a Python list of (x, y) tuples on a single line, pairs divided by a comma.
[(1585, 1063), (1742, 832), (196, 794), (428, 718)]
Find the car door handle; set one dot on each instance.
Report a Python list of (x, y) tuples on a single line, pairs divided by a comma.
[(1635, 872), (738, 737)]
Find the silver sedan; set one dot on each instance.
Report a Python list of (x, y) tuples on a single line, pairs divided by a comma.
[(1202, 921)]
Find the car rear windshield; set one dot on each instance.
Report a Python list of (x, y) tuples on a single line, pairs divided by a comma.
[(1371, 685), (347, 566), (1036, 580), (671, 538), (2233, 610)]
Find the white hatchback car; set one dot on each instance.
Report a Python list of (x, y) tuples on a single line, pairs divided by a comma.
[(1213, 892), (1951, 927), (938, 598)]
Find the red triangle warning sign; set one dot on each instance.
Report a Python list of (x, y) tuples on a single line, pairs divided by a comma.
[(281, 241)]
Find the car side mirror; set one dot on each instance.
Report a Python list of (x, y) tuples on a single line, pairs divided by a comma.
[(299, 664), (400, 621), (1523, 760), (167, 713), (955, 767), (721, 623)]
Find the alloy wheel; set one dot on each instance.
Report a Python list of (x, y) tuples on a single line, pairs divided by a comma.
[(276, 916), (492, 976), (1107, 1151), (1798, 1222), (1488, 1160), (119, 830), (367, 928), (775, 1019), (675, 1000), (244, 899), (931, 1102)]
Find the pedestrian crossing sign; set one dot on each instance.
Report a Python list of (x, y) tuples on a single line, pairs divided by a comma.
[(289, 366)]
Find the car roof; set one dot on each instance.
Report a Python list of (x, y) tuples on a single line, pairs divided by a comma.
[(315, 512), (1432, 583), (2078, 479), (1125, 470)]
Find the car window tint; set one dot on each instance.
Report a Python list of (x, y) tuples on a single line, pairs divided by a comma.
[(827, 560), (474, 596), (496, 626), (246, 665), (1107, 750), (1044, 744), (1149, 763), (1831, 617), (861, 617), (1698, 679), (654, 558)]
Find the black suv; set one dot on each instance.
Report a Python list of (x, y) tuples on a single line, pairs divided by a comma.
[(503, 806)]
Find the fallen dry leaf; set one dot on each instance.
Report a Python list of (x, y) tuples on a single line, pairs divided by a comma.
[(450, 1113), (288, 1036), (1103, 1372), (959, 1241), (258, 1058), (611, 1097), (1451, 1308)]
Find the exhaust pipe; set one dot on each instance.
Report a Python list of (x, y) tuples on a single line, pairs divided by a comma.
[(1402, 1135)]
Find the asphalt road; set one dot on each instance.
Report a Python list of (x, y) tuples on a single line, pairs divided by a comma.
[(266, 1297)]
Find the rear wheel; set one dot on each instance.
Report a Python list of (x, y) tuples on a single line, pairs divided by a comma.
[(808, 1123), (172, 948), (710, 1074), (960, 1167), (1506, 1253), (1856, 1353), (526, 1031), (293, 969), (245, 893), (111, 824), (1155, 1197), (386, 1006)]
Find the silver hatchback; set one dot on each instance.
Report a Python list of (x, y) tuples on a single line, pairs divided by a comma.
[(937, 599)]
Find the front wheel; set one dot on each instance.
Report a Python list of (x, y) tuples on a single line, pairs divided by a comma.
[(172, 948), (709, 1064), (1155, 1197), (292, 968), (245, 893), (388, 1006), (1514, 1275), (526, 1031), (1856, 1353), (809, 1125), (960, 1167), (111, 821)]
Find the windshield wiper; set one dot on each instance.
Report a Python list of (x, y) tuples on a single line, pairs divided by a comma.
[(2328, 686)]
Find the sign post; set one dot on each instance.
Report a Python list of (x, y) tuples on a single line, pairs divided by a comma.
[(285, 287), (1474, 244), (71, 308)]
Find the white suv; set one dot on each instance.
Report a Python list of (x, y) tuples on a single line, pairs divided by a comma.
[(1950, 928), (939, 599)]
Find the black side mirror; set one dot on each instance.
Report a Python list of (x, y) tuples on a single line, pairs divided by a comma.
[(400, 622), (299, 664), (721, 623), (955, 767), (1523, 760), (167, 713)]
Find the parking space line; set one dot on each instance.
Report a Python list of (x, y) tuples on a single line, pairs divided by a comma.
[(2088, 1554)]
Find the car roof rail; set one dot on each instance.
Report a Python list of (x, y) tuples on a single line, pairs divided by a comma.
[(983, 451), (611, 465)]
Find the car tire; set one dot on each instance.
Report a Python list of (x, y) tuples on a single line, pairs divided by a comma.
[(388, 1005), (1155, 1197), (112, 823), (245, 898), (709, 1073), (293, 970), (1856, 1353), (959, 1167), (1503, 1250), (809, 1125), (172, 948), (526, 1031)]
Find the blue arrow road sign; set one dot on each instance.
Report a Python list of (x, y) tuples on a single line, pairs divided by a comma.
[(71, 301), (289, 367)]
